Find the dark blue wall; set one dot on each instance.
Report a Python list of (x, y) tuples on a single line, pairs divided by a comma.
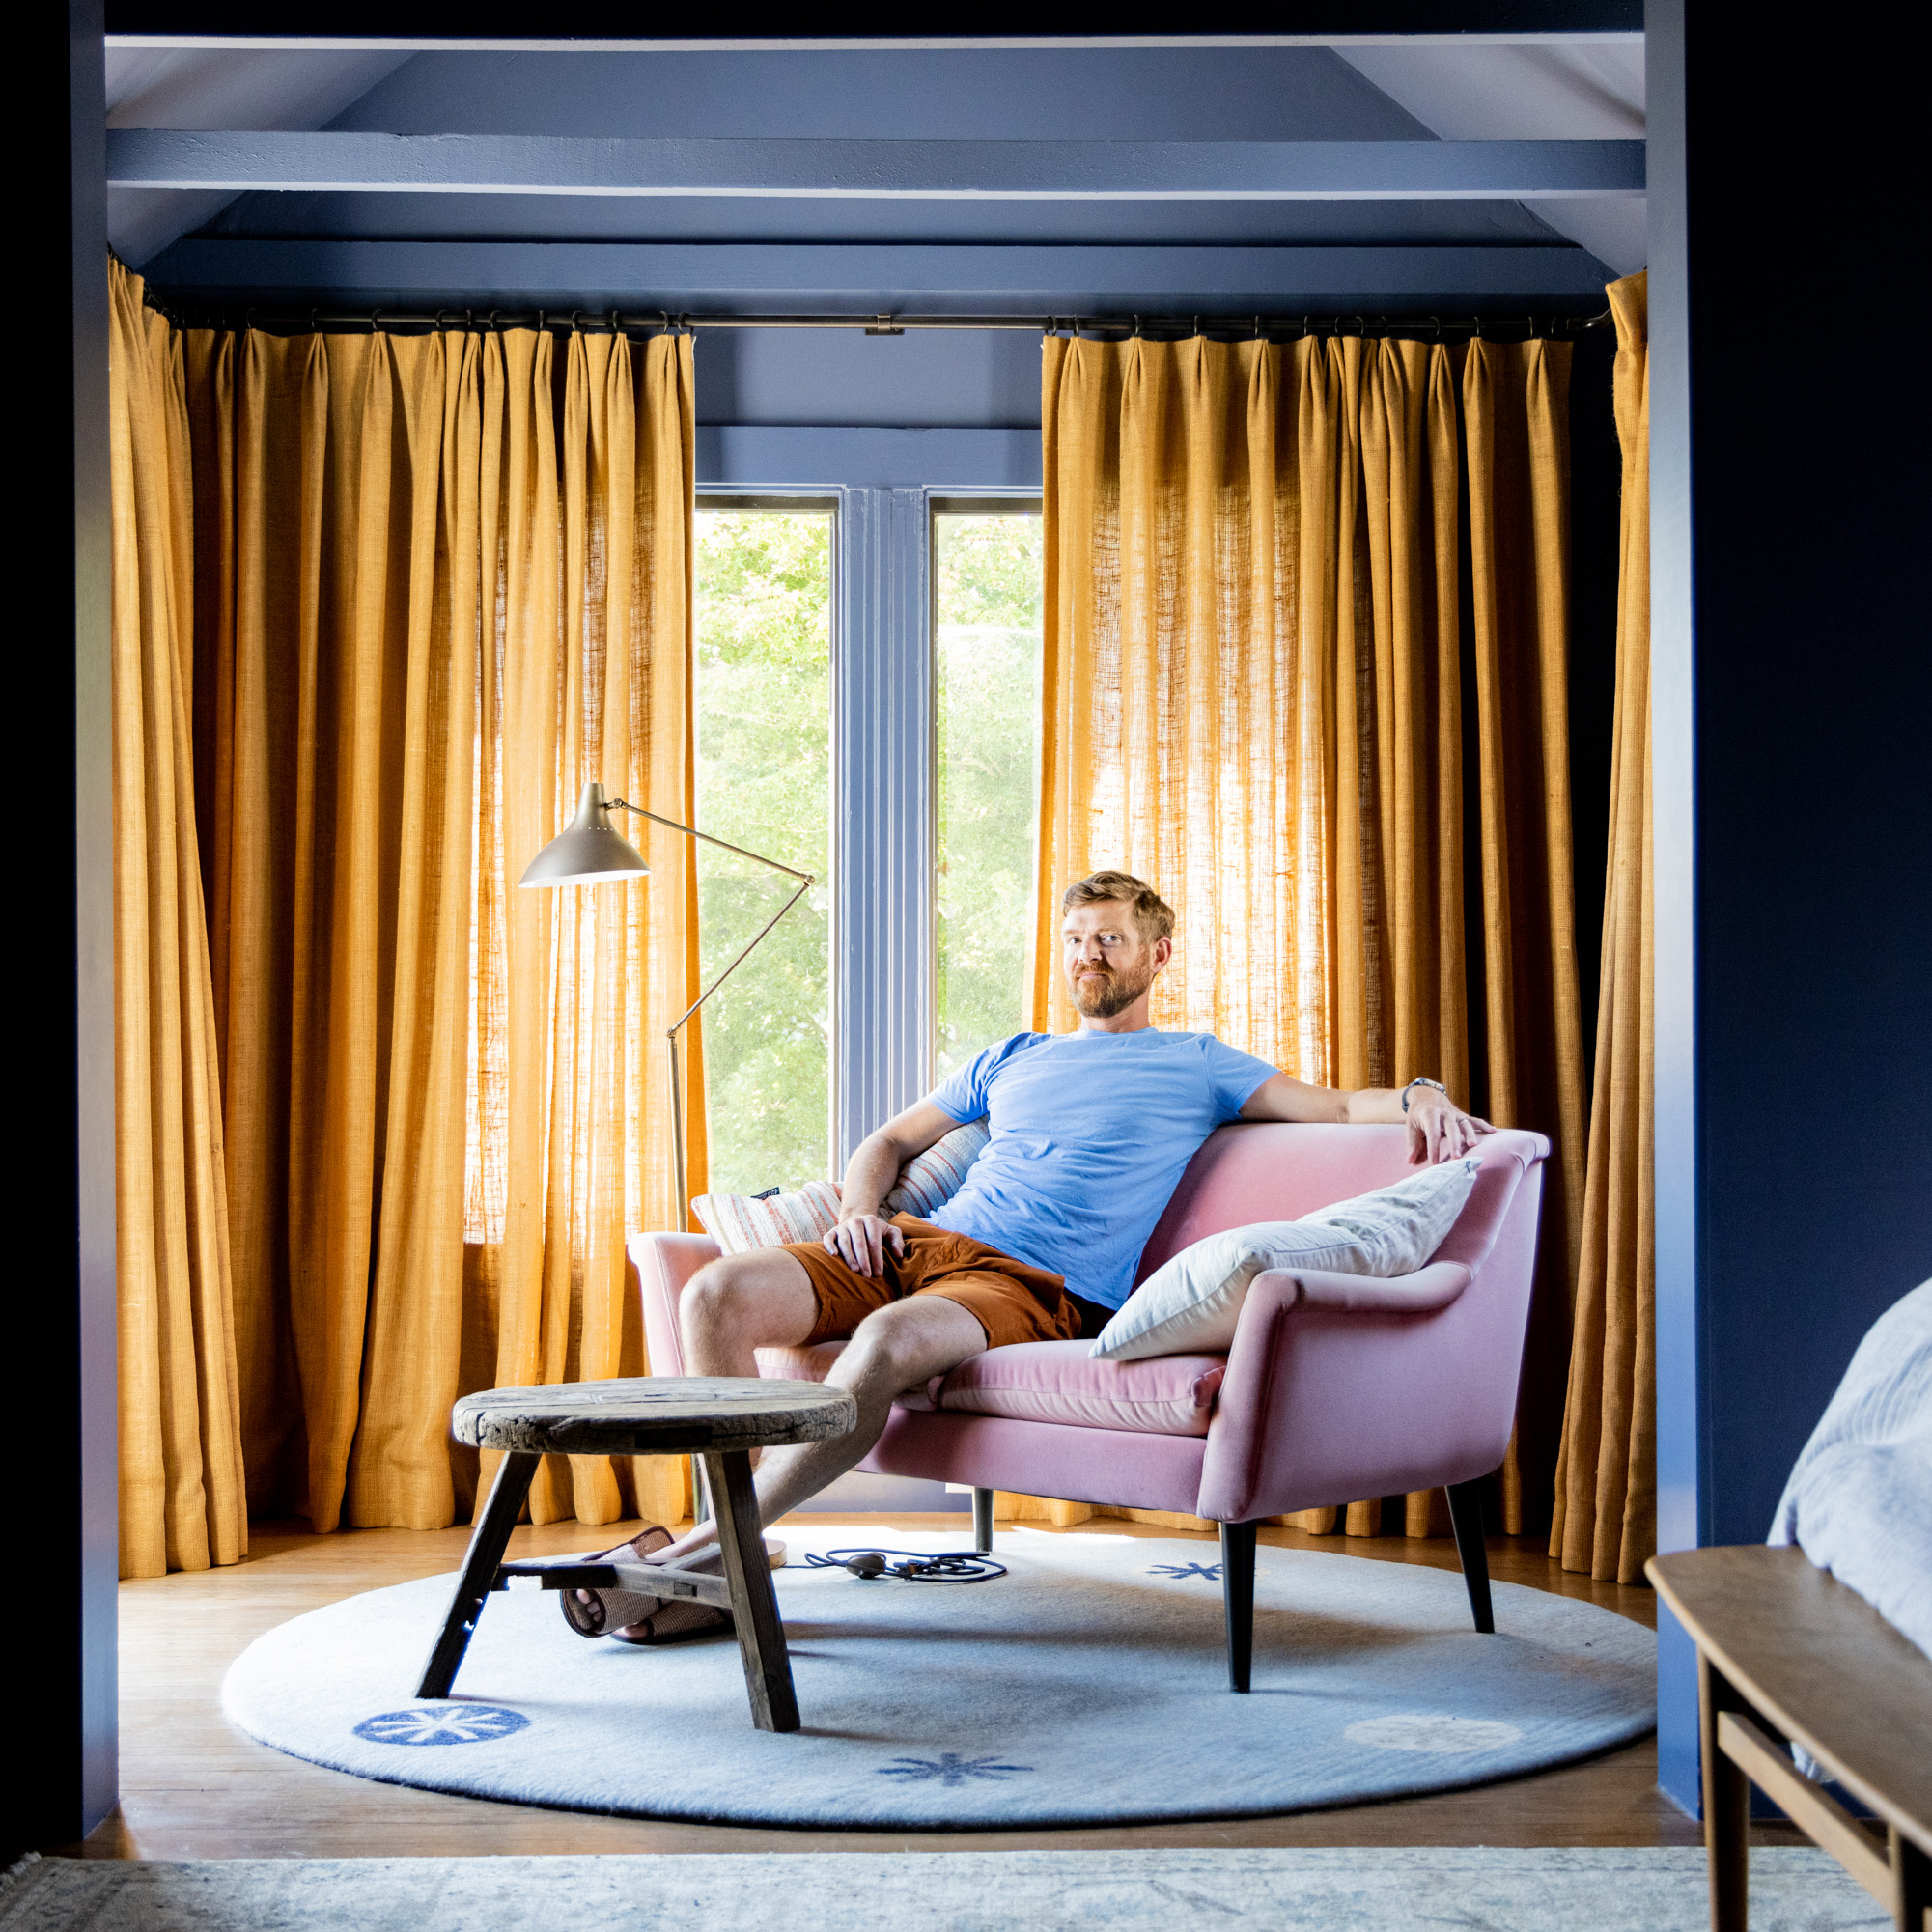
[(938, 378), (63, 1690), (1793, 690)]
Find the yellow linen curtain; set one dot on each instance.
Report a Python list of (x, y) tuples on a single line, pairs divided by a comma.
[(181, 1500), (1257, 695), (1606, 1520), (445, 581)]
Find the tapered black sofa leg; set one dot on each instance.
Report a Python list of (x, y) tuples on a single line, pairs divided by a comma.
[(1466, 1513), (1238, 1599), (982, 1520)]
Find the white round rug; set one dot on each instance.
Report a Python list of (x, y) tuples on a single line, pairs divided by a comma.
[(1089, 1686)]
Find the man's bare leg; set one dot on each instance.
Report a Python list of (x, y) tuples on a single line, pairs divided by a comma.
[(894, 1349)]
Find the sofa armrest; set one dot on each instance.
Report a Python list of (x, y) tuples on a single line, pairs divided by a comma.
[(1435, 1286), (1341, 1385), (659, 1265)]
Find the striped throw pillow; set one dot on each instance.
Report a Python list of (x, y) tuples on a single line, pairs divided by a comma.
[(933, 1178), (740, 1222)]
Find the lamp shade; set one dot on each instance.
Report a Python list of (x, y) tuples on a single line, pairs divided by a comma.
[(587, 851)]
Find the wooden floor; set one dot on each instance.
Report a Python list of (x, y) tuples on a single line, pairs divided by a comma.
[(194, 1786)]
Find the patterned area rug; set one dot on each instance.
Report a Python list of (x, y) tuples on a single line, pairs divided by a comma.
[(1086, 1686), (1795, 1890)]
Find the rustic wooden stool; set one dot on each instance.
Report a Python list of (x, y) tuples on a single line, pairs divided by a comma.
[(719, 1419)]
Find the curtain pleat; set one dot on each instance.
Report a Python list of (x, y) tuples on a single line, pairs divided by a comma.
[(1606, 1518), (1516, 408), (1258, 688), (442, 580), (182, 1506)]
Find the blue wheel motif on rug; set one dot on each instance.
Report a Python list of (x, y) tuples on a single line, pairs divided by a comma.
[(1210, 1571), (950, 1769), (443, 1724)]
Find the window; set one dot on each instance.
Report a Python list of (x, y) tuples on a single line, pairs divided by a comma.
[(764, 747), (987, 607)]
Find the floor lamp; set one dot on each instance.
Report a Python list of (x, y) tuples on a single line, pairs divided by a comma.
[(589, 850)]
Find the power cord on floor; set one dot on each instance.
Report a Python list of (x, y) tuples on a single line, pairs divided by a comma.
[(920, 1566)]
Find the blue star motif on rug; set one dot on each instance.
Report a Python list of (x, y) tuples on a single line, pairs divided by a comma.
[(443, 1724), (1210, 1571), (950, 1769)]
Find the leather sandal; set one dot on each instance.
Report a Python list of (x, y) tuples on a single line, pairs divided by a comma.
[(610, 1613)]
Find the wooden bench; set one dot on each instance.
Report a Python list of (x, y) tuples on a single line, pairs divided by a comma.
[(1786, 1654)]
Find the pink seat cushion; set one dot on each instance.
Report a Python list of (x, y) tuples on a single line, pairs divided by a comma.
[(1060, 1381), (812, 1364)]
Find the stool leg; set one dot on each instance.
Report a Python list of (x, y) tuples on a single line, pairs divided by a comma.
[(487, 1545), (982, 1521), (761, 1637)]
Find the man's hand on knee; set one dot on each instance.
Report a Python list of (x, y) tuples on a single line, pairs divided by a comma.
[(860, 1241)]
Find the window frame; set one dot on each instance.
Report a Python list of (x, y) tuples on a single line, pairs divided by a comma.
[(883, 484), (1013, 502), (828, 502)]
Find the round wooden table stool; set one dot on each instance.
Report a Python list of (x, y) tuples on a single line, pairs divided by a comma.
[(719, 1419)]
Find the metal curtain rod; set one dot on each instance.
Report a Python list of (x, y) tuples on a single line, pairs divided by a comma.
[(664, 322)]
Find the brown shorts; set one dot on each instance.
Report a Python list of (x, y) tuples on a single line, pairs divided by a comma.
[(1011, 1301)]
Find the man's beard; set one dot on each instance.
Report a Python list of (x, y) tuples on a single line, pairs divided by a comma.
[(1100, 993)]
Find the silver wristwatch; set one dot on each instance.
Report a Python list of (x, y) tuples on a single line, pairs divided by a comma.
[(1423, 1081)]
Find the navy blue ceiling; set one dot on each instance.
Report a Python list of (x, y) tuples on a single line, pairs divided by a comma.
[(973, 254)]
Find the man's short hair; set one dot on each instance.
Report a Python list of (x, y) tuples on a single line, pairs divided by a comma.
[(1152, 913)]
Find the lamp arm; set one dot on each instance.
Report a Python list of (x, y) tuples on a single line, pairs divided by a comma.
[(692, 831), (806, 883), (672, 1031)]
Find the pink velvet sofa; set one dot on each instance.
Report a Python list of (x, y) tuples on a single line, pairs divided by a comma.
[(1337, 1387)]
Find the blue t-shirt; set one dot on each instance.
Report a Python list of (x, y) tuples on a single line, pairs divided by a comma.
[(1090, 1133)]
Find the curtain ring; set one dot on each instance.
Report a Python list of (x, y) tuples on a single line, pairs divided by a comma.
[(614, 329)]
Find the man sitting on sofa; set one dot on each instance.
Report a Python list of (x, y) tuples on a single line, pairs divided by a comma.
[(1090, 1133)]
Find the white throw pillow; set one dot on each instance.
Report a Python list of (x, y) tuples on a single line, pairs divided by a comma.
[(1401, 1225), (1191, 1303)]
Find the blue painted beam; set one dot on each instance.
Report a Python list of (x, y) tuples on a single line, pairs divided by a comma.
[(547, 164), (753, 456), (801, 279), (241, 22)]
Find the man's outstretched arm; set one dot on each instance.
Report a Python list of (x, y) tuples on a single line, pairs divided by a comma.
[(859, 1239), (1439, 1130)]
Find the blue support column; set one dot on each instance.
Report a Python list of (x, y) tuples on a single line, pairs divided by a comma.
[(882, 756), (1672, 726), (1792, 820)]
